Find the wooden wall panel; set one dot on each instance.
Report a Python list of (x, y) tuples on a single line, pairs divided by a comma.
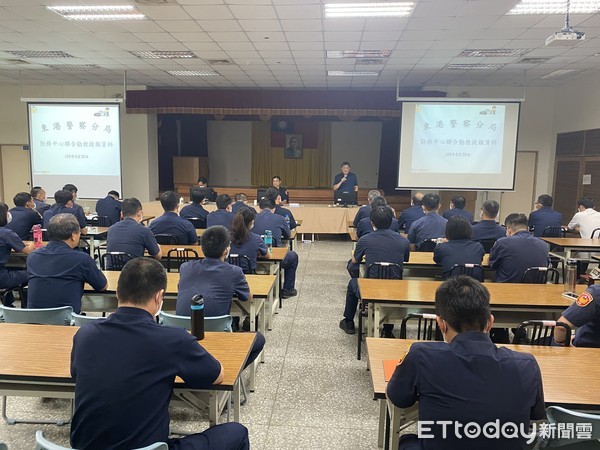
[(567, 186), (592, 142), (570, 143)]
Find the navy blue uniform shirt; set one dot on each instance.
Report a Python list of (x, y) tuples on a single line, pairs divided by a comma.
[(23, 219), (252, 247), (489, 230), (124, 368), (409, 215), (457, 212), (348, 185), (584, 313), (217, 281), (41, 206), (193, 211), (382, 246), (469, 380), (365, 227), (431, 226), (237, 206), (458, 251), (109, 207), (131, 237), (57, 274), (363, 211), (58, 209), (284, 212), (544, 217), (219, 217), (171, 223), (512, 256), (266, 220), (283, 194), (9, 241)]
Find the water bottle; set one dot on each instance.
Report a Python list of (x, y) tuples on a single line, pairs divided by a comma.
[(269, 240), (570, 276), (287, 219), (198, 316), (181, 200), (37, 236)]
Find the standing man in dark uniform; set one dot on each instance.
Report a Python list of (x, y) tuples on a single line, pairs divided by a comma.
[(275, 197), (24, 215), (583, 314), (39, 197), (268, 220), (487, 228), (283, 193), (64, 205), (211, 195), (223, 215), (124, 369), (365, 210), (457, 208), (382, 245), (110, 207), (511, 256), (171, 223), (415, 212), (467, 378), (57, 273), (430, 226), (345, 181), (544, 216), (195, 210)]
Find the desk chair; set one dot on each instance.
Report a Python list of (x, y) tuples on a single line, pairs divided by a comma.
[(540, 275), (473, 270), (595, 234), (242, 261), (198, 222), (487, 244), (558, 415), (428, 245), (384, 271), (21, 292), (177, 256), (100, 221), (117, 260), (427, 327), (540, 332), (165, 239), (556, 232), (44, 444), (3, 446), (78, 320)]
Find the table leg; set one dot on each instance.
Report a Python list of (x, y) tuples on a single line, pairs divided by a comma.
[(92, 245), (359, 334), (236, 401), (213, 408), (381, 429)]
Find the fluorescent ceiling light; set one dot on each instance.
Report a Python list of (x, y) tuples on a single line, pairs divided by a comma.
[(558, 73), (39, 54), (76, 67), (159, 54), (192, 73), (101, 12), (473, 66), (493, 52), (358, 53), (343, 73), (555, 7), (400, 9)]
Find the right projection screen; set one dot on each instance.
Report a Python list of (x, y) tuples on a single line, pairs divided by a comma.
[(458, 145)]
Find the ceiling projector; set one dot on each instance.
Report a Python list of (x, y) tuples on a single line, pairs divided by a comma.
[(565, 37)]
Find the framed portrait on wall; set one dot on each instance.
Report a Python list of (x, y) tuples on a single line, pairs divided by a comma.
[(293, 147)]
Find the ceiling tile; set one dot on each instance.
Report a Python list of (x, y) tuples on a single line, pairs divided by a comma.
[(209, 12), (260, 25), (253, 12)]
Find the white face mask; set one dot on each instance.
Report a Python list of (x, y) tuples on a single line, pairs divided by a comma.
[(8, 217), (159, 309), (480, 213)]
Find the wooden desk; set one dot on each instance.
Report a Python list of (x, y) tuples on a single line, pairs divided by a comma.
[(571, 244), (146, 219), (425, 260), (552, 361), (92, 234), (36, 363), (200, 232)]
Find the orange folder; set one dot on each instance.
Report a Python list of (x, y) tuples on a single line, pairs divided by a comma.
[(389, 366)]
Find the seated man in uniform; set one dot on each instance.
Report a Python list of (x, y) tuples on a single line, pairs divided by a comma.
[(39, 197), (430, 226), (382, 245), (211, 195), (57, 273), (487, 228), (409, 215), (283, 193), (583, 314), (223, 215), (240, 202), (467, 378), (273, 194), (64, 205), (195, 210), (24, 215), (171, 223), (587, 219), (110, 207), (365, 210), (124, 369), (73, 190), (457, 208), (365, 226), (544, 216), (216, 280), (511, 256), (265, 220), (129, 235)]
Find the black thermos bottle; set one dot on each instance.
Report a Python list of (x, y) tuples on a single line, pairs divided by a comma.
[(198, 316)]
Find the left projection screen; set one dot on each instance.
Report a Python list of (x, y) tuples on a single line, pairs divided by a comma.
[(78, 143)]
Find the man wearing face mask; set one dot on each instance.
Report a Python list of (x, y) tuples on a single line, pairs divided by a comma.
[(216, 280), (124, 369)]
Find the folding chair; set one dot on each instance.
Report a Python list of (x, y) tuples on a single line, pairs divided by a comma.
[(428, 245), (116, 260), (557, 232), (198, 222), (586, 428), (540, 275), (21, 292), (242, 261), (44, 444), (427, 327), (487, 244), (177, 256), (540, 332), (595, 234), (165, 239), (384, 271), (472, 270), (100, 221)]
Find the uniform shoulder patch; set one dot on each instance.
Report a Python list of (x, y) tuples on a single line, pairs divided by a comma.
[(584, 299)]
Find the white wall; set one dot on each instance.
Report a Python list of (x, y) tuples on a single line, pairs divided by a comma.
[(578, 105), (229, 152), (359, 143)]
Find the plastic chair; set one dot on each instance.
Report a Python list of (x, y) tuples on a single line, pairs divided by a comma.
[(198, 222), (540, 332), (242, 261), (100, 221), (428, 245), (43, 316), (165, 239), (177, 256), (472, 270), (557, 232), (384, 271), (586, 426), (487, 244), (78, 320), (117, 260), (3, 446), (427, 327), (44, 444), (540, 275)]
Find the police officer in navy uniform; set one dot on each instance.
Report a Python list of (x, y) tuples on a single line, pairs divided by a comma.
[(240, 202), (124, 367), (64, 205), (73, 190), (511, 256), (274, 195), (110, 207), (129, 235), (457, 208), (365, 226), (365, 210), (211, 195), (171, 223), (544, 216), (216, 280), (430, 226), (409, 215), (24, 215), (195, 210), (345, 181), (57, 273), (283, 193), (244, 242), (583, 314), (382, 245), (268, 220), (459, 249), (223, 215), (487, 228), (467, 378), (39, 198)]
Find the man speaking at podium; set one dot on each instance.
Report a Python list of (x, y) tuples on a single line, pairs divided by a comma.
[(345, 181)]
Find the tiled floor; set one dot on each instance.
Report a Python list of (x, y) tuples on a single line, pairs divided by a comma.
[(311, 392)]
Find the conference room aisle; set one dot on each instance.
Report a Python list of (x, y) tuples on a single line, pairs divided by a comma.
[(311, 393)]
